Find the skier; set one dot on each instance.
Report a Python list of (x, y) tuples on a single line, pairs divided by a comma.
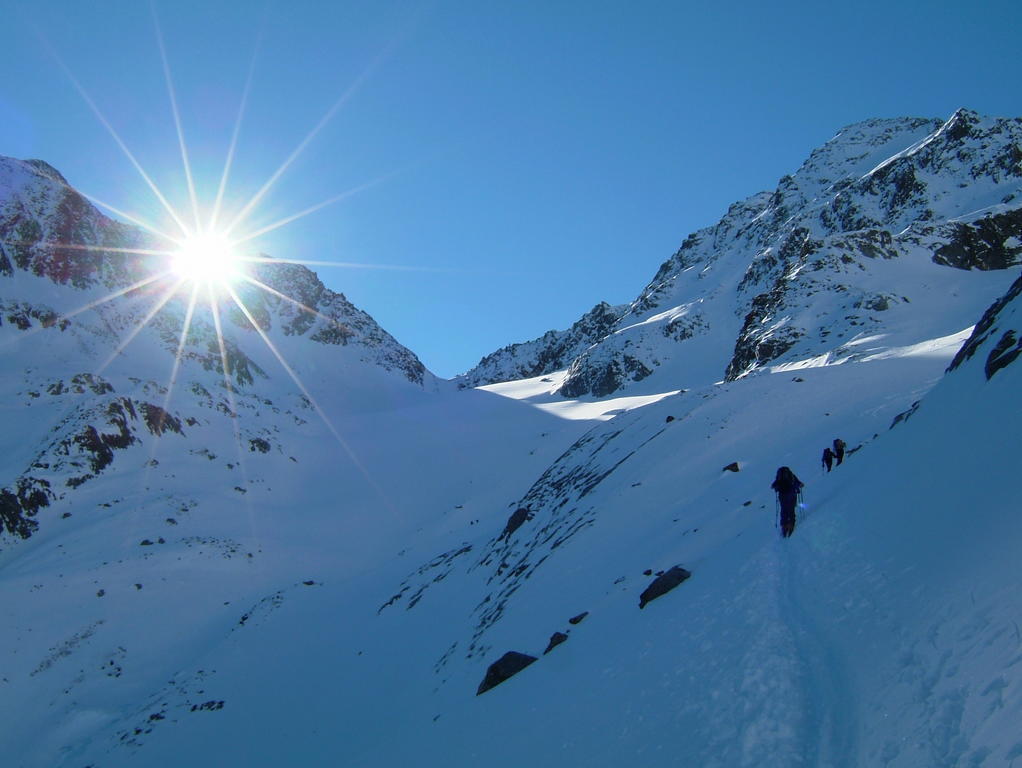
[(828, 458), (788, 487), (839, 450)]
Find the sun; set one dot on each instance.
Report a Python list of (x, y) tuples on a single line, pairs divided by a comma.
[(208, 259)]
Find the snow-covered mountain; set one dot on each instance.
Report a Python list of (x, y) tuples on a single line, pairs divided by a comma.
[(91, 347), (553, 351), (336, 559), (812, 267)]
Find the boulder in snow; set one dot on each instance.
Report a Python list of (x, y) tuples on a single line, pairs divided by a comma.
[(663, 584), (517, 519), (555, 640), (508, 665)]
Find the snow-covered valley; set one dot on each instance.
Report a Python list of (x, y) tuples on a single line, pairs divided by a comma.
[(317, 564)]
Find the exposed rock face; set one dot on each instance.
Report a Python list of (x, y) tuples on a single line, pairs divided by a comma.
[(507, 666), (82, 446), (518, 518), (605, 379), (565, 503), (553, 351), (999, 333), (663, 584), (335, 320), (555, 640), (811, 256), (991, 243)]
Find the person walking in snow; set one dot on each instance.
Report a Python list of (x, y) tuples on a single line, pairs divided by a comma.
[(828, 458), (839, 450), (787, 487)]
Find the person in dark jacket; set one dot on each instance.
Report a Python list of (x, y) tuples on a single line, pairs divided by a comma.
[(787, 487), (839, 450), (828, 458)]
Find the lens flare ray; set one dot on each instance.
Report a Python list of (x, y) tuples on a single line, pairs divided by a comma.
[(177, 116), (348, 265), (91, 305), (313, 208), (319, 410), (186, 326), (214, 308), (327, 117), (168, 294), (285, 297), (83, 247), (117, 138), (221, 190)]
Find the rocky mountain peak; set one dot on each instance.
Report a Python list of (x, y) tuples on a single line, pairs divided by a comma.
[(800, 271), (110, 359), (553, 351)]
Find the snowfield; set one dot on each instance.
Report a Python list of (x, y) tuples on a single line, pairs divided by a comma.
[(884, 632)]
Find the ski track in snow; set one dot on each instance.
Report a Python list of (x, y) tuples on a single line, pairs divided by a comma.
[(830, 720)]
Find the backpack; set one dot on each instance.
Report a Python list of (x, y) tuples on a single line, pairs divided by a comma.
[(786, 481)]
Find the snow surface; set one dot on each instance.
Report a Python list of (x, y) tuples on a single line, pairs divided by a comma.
[(541, 391), (884, 632)]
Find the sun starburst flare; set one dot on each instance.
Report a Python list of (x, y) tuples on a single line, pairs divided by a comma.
[(209, 258)]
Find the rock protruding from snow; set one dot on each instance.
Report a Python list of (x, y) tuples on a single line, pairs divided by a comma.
[(518, 518), (663, 584), (504, 668), (325, 317), (555, 640), (998, 333), (994, 242)]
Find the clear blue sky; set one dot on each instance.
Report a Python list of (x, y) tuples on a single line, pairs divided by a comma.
[(534, 157)]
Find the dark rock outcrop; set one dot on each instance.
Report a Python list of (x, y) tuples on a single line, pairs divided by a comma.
[(600, 378), (507, 666), (663, 584), (1007, 348), (517, 520), (1003, 354), (990, 243), (555, 640), (553, 351), (732, 467)]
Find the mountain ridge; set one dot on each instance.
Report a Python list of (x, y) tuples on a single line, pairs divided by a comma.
[(878, 190)]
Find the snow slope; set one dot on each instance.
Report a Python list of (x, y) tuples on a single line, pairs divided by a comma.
[(883, 632)]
